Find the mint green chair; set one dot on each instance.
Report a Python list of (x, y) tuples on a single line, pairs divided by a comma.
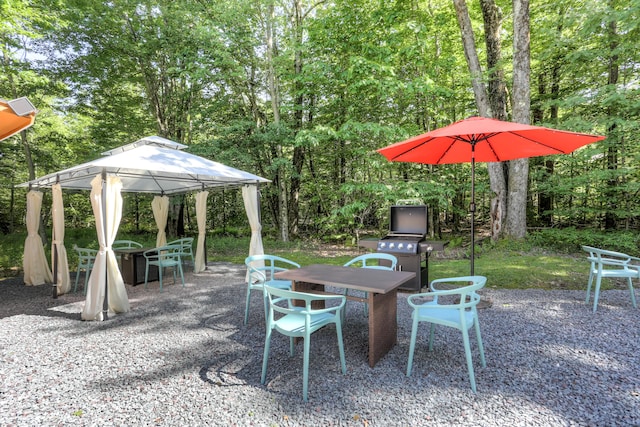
[(261, 270), (379, 260), (168, 256), (610, 264), (300, 322), (86, 258), (460, 313)]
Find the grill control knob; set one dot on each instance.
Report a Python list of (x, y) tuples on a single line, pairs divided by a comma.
[(409, 246), (383, 244), (400, 245), (391, 245)]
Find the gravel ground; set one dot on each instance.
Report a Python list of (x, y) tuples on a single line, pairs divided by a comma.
[(183, 358)]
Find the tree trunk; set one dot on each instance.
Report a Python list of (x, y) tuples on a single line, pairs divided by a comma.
[(298, 151), (516, 225), (283, 205), (498, 101), (473, 62), (470, 53), (610, 218)]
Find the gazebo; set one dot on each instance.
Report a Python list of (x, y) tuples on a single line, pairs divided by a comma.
[(152, 165)]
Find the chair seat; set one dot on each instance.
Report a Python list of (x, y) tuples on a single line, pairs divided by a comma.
[(165, 263), (449, 316), (620, 273), (280, 284), (295, 324)]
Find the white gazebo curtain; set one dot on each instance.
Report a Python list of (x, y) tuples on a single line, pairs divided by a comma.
[(201, 216), (107, 209), (252, 207), (34, 262), (160, 207), (58, 251)]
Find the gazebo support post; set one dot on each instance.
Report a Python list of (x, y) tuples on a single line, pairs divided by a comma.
[(105, 303)]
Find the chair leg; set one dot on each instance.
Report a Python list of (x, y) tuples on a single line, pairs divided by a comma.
[(181, 273), (480, 345), (246, 309), (265, 356), (146, 276), (596, 294), (632, 292), (75, 288), (467, 352), (160, 270), (305, 367), (412, 345), (343, 362), (589, 285)]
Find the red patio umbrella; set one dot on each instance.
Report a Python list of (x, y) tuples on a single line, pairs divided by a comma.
[(480, 139)]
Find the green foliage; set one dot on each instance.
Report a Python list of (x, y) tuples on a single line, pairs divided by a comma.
[(350, 77)]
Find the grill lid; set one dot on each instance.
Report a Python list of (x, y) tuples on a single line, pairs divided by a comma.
[(408, 220)]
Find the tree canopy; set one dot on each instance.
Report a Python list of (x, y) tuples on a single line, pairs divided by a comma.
[(303, 92)]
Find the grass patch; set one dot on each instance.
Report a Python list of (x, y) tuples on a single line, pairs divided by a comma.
[(507, 265), (507, 270)]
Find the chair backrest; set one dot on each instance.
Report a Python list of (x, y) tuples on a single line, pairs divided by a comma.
[(601, 257), (125, 244), (186, 243), (464, 296), (467, 294), (277, 296), (263, 267), (164, 253), (372, 260), (86, 256)]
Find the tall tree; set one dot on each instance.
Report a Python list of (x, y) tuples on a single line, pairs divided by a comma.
[(509, 202), (519, 169)]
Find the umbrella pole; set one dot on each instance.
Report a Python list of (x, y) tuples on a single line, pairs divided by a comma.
[(472, 206)]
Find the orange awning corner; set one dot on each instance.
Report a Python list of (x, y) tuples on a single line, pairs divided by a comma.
[(15, 116)]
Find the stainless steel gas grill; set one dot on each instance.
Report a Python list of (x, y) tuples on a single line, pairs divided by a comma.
[(406, 240)]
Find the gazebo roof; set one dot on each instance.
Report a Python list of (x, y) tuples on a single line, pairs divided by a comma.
[(152, 165)]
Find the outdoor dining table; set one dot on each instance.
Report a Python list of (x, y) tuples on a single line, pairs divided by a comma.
[(382, 296)]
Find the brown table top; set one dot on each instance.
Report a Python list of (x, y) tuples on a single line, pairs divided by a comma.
[(362, 279)]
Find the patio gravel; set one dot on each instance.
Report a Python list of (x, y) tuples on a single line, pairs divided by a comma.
[(183, 358)]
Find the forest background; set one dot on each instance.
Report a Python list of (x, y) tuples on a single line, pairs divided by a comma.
[(303, 93)]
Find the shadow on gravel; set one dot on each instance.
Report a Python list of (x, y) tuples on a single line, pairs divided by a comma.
[(17, 298)]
